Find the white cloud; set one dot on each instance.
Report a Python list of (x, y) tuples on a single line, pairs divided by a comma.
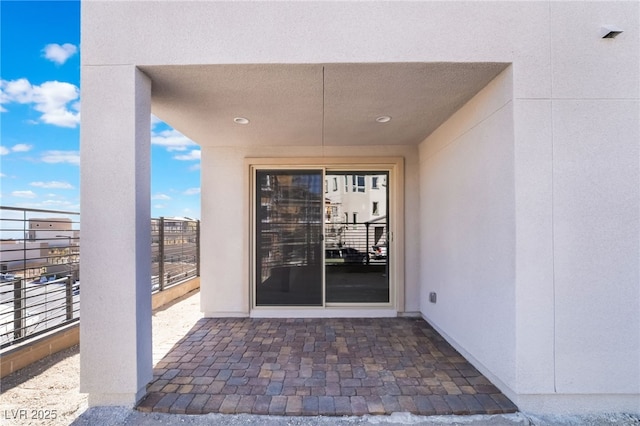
[(160, 197), (59, 53), (70, 157), (24, 194), (51, 100), (19, 91), (57, 101), (52, 184), (195, 167), (21, 147), (57, 203), (2, 175), (192, 191), (172, 140), (193, 155)]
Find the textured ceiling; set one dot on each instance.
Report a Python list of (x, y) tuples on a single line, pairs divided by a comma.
[(314, 104)]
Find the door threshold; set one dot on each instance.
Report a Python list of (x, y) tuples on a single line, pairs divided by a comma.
[(321, 312)]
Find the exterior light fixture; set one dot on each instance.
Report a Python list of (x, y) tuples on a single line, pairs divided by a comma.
[(610, 31), (241, 120), (383, 119)]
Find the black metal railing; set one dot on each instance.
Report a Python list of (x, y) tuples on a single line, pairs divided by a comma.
[(40, 267), (368, 238), (39, 272), (286, 244), (175, 251), (37, 307)]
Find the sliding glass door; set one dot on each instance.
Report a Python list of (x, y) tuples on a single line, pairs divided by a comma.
[(289, 238), (321, 237), (356, 229)]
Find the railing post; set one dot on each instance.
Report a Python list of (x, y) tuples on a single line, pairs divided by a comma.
[(69, 294), (161, 254), (197, 248), (19, 309), (366, 248), (24, 244)]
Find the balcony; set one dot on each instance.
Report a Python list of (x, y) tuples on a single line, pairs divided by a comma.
[(277, 367), (40, 281)]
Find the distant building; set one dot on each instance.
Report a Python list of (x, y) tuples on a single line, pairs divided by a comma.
[(57, 232), (355, 198), (16, 256), (47, 243), (355, 205)]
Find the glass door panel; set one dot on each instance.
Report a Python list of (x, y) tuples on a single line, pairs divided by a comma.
[(289, 227), (356, 229)]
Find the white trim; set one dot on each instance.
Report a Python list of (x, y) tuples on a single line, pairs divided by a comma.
[(320, 312), (395, 168), (219, 314), (578, 405), (410, 315)]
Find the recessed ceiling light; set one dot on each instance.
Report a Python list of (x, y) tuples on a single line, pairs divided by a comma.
[(383, 119), (241, 120)]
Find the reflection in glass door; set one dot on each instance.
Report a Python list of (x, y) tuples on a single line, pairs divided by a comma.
[(289, 206), (356, 229)]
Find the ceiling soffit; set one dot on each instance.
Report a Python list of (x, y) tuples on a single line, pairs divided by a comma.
[(314, 104)]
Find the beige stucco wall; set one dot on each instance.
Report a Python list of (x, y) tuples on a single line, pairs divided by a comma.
[(115, 336), (468, 230), (544, 274), (225, 225), (544, 162)]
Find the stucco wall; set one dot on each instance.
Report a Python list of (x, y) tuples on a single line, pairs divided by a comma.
[(225, 223), (468, 229), (179, 32), (115, 311), (577, 198), (533, 185), (574, 300)]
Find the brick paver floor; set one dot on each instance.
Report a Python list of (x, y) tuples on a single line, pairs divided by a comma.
[(330, 367)]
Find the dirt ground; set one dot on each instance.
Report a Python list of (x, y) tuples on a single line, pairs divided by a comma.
[(48, 392)]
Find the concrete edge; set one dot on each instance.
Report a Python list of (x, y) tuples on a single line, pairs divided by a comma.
[(24, 354), (122, 415), (161, 298)]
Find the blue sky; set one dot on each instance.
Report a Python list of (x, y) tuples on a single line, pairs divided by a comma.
[(40, 110)]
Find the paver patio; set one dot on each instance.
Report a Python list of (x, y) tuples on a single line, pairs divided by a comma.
[(330, 367)]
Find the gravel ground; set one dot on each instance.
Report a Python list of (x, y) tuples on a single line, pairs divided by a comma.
[(119, 416), (48, 388), (51, 387)]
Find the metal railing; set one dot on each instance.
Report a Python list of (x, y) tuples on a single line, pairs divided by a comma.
[(40, 272), (37, 307), (175, 251), (287, 244), (368, 238), (40, 267)]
